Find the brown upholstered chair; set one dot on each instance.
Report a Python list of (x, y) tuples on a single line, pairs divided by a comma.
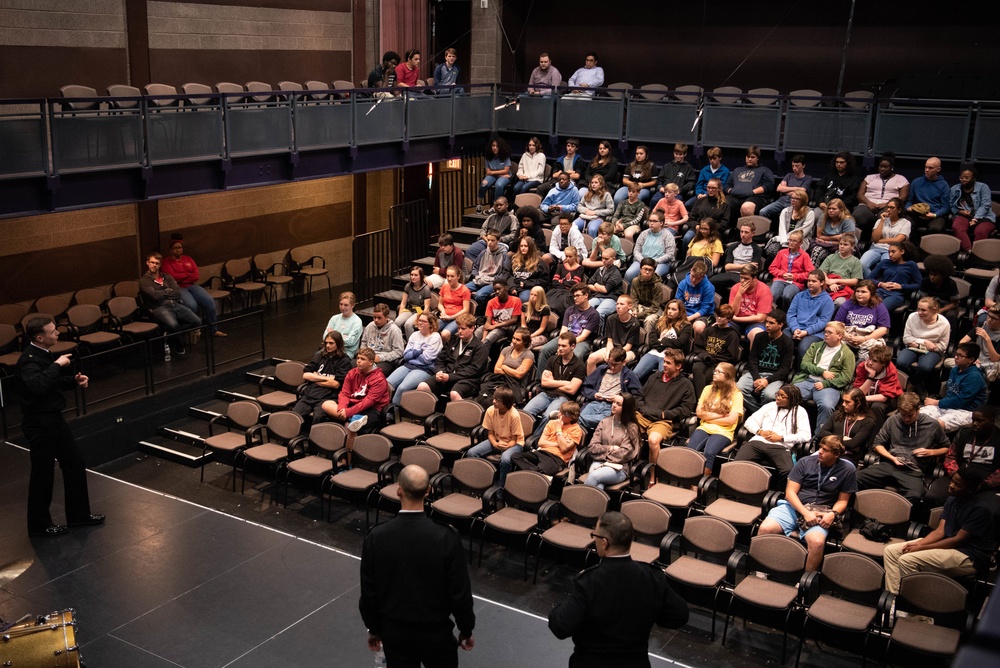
[(288, 376), (515, 516), (275, 440), (739, 495), (423, 456), (308, 266), (123, 313), (240, 418), (943, 600), (651, 524), (312, 458), (356, 484), (885, 506), (453, 432), (88, 327), (579, 507), (678, 469), (406, 419), (467, 481)]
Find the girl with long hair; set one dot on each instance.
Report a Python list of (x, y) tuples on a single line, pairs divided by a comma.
[(567, 276), (925, 335), (535, 317), (705, 242), (853, 423), (527, 269), (604, 164), (455, 300), (891, 226), (796, 216), (531, 167), (777, 428), (720, 408), (497, 169), (673, 330), (595, 207), (415, 300), (639, 172), (512, 370), (865, 318), (615, 444), (419, 356), (835, 223)]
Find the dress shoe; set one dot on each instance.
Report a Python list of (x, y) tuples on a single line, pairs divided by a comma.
[(89, 520), (53, 530), (219, 333)]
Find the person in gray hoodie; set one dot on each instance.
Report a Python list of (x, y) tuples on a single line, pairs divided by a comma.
[(383, 336), (907, 441)]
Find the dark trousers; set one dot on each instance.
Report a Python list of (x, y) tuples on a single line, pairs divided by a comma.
[(885, 474), (50, 440), (538, 460), (409, 646)]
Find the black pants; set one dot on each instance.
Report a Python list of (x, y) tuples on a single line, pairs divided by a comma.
[(50, 440), (434, 646), (538, 460)]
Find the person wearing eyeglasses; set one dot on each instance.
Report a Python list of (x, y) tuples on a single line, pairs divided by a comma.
[(614, 605), (967, 391), (987, 335)]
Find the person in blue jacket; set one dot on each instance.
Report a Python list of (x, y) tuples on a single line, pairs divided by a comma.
[(931, 190), (897, 276), (966, 391), (810, 311), (698, 295), (971, 208), (713, 170)]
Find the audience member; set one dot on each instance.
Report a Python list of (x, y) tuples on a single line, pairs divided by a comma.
[(680, 173), (853, 424), (866, 320), (544, 78), (608, 381), (595, 206), (713, 170), (698, 296), (675, 216), (705, 243), (408, 71), (497, 169), (568, 275), (185, 272), (878, 381), (929, 199), (790, 269), (527, 269), (503, 315), (322, 377), (797, 216), (776, 429), (941, 286), (615, 444), (163, 299), (965, 391), (512, 370), (891, 226), (750, 187), (530, 226), (456, 300), (825, 370), (896, 276), (751, 300), (719, 410), (530, 168), (605, 285), (415, 300), (797, 179), (738, 254), (385, 339), (493, 264), (832, 225), (384, 74), (810, 311), (419, 356), (446, 73), (639, 172), (664, 400), (504, 432), (717, 343), (925, 336), (978, 447), (535, 318), (842, 182), (655, 243), (564, 236), (906, 442), (606, 238), (556, 446), (347, 323), (582, 321), (562, 377), (502, 222), (461, 364), (563, 199), (589, 76), (816, 496), (630, 215), (877, 189), (769, 363), (713, 205), (987, 337), (673, 331), (447, 255), (363, 396), (646, 291), (621, 330), (971, 208), (572, 164), (843, 269), (605, 165)]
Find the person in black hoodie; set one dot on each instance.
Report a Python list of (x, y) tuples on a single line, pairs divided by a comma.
[(462, 363), (680, 172), (842, 182), (770, 362), (719, 342), (665, 399)]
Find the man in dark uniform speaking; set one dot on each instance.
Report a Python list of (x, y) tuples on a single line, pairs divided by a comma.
[(614, 605), (413, 578), (49, 437)]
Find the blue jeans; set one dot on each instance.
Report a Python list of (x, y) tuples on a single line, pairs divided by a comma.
[(605, 306), (751, 401), (826, 400), (710, 444), (175, 316), (601, 475), (524, 186), (920, 367), (542, 404), (622, 194), (405, 379), (871, 258), (450, 326), (486, 448), (773, 210), (591, 225), (498, 183), (476, 249), (893, 301), (803, 345), (480, 295), (648, 365), (782, 294), (195, 297), (632, 272), (593, 412), (549, 349)]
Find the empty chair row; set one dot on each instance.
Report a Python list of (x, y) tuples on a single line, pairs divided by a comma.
[(805, 97), (126, 97)]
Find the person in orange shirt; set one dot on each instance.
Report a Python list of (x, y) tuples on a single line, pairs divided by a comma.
[(557, 444)]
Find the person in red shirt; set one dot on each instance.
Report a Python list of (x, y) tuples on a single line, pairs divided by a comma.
[(408, 71), (184, 270), (751, 300), (363, 395)]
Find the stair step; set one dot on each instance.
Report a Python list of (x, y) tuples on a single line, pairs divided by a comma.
[(237, 395), (462, 247), (426, 262), (466, 234), (187, 430), (474, 219), (175, 451), (208, 410), (390, 297)]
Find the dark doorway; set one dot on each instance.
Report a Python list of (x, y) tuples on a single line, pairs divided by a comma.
[(451, 25)]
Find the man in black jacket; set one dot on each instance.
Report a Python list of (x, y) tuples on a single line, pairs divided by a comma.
[(679, 172), (770, 362), (462, 363), (614, 605), (414, 578), (41, 385), (665, 399)]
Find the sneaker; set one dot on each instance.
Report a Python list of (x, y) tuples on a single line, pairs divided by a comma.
[(357, 422), (479, 208), (181, 350), (219, 333)]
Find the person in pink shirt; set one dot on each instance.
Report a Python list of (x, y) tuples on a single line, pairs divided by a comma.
[(184, 270), (674, 213)]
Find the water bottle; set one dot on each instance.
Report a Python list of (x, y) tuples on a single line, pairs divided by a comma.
[(380, 659), (166, 352)]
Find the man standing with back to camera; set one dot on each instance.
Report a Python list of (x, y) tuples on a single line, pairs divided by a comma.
[(49, 437), (614, 605), (413, 580)]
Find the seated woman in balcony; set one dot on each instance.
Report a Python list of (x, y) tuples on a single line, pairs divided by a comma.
[(595, 206), (531, 167), (971, 206), (640, 172), (497, 170)]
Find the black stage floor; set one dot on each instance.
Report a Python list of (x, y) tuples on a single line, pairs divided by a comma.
[(192, 574)]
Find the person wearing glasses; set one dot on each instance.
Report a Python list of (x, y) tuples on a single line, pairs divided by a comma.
[(614, 605), (966, 391), (987, 335), (589, 76)]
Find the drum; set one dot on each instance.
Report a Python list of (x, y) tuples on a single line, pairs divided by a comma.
[(48, 641)]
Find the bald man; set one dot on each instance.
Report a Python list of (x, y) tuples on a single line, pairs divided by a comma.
[(414, 578), (932, 191)]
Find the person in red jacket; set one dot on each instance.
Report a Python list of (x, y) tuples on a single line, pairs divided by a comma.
[(363, 396), (878, 379), (184, 270)]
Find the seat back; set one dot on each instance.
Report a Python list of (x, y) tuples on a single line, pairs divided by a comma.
[(762, 96), (853, 572), (859, 99), (940, 244), (243, 414), (126, 289), (527, 199), (931, 593), (54, 305), (263, 92), (8, 336), (964, 288), (289, 373), (74, 90), (238, 270), (423, 456), (653, 91), (761, 224), (727, 94), (465, 415), (800, 98), (986, 252), (527, 422), (85, 317), (301, 255), (882, 505), (711, 535), (328, 437), (745, 480), (162, 89), (286, 425), (473, 473), (584, 504), (318, 85), (289, 85), (11, 314), (688, 93), (418, 404), (648, 518), (526, 489), (93, 296), (231, 88), (617, 90), (682, 464), (202, 90), (371, 451), (122, 91), (778, 554)]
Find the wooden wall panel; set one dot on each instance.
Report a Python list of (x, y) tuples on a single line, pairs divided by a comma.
[(40, 71)]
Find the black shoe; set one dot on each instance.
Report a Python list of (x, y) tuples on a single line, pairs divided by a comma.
[(89, 520), (180, 350), (53, 530)]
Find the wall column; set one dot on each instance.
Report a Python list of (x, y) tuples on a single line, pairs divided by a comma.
[(486, 42)]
